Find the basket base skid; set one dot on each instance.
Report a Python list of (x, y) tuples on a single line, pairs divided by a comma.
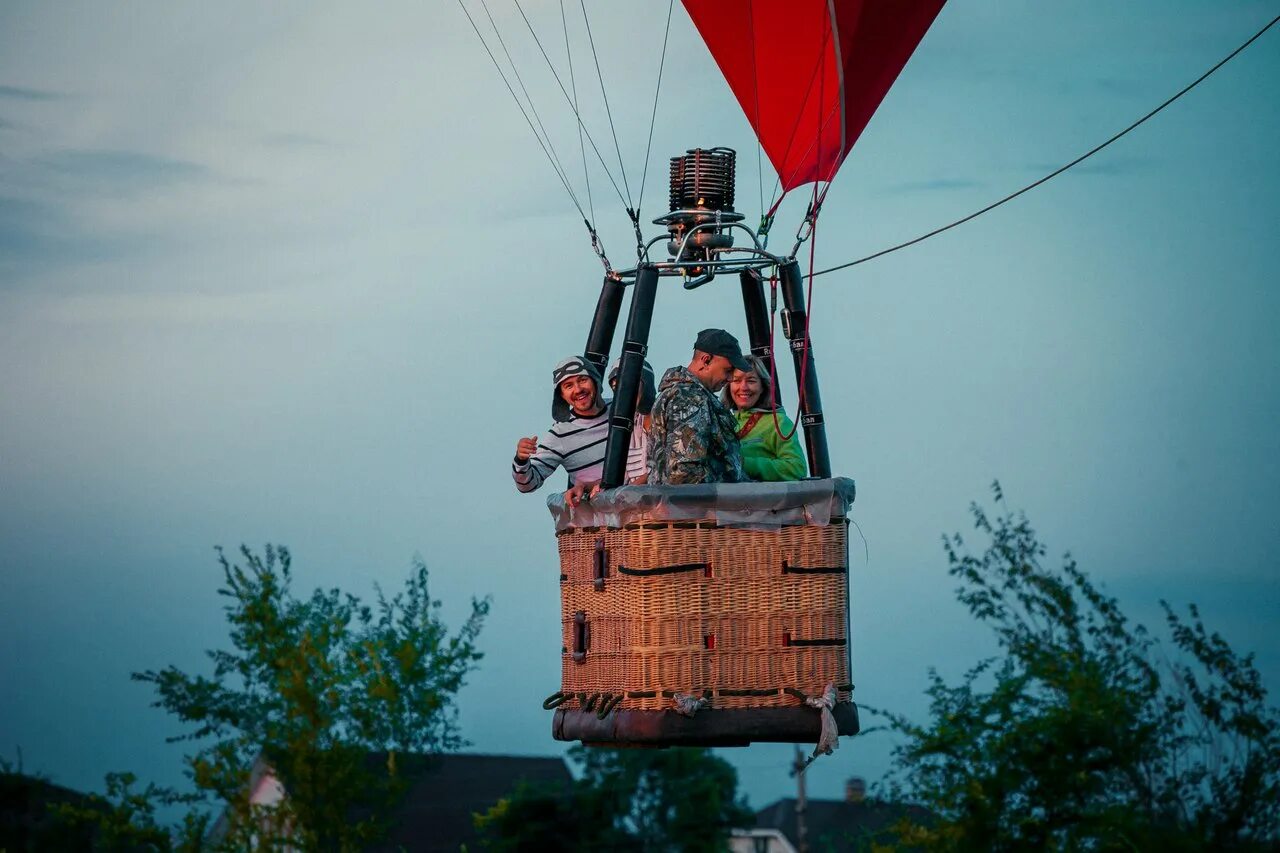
[(725, 727)]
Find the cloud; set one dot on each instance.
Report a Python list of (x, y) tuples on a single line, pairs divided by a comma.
[(934, 185), (119, 170), (17, 93), (35, 235), (1106, 166), (69, 207), (296, 140)]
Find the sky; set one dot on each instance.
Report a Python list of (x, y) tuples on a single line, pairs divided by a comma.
[(298, 273)]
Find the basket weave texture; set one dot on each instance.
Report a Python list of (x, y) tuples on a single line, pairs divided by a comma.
[(738, 616)]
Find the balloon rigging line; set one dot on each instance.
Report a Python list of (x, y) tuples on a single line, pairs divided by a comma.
[(654, 116), (520, 106), (835, 107), (817, 66), (529, 98), (572, 103), (609, 113), (755, 90), (582, 148), (1059, 170)]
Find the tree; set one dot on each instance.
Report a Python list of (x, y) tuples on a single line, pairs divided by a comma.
[(626, 799), (1086, 733), (312, 688), (124, 819)]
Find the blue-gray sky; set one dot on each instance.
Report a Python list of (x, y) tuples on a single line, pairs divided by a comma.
[(298, 273)]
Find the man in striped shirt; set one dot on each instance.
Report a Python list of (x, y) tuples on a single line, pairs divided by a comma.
[(637, 473), (576, 439)]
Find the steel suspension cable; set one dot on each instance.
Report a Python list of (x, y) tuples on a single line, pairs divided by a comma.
[(520, 106), (648, 148), (573, 84), (607, 111), (1061, 169), (572, 103), (529, 98), (817, 66), (755, 90)]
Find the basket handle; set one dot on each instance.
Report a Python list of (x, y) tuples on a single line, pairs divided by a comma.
[(788, 569), (581, 636), (664, 570), (600, 564)]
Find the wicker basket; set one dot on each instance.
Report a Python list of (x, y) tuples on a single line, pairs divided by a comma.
[(652, 608)]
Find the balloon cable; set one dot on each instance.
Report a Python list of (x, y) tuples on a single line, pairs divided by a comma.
[(653, 117), (573, 84), (1058, 171), (604, 94), (555, 163), (571, 101)]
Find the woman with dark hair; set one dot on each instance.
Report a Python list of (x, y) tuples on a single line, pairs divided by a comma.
[(766, 455)]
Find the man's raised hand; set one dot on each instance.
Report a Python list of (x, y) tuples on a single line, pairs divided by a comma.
[(526, 447)]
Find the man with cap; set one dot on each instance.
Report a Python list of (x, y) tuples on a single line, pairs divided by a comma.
[(693, 438), (576, 439)]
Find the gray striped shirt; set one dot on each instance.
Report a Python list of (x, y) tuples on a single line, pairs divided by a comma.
[(577, 445)]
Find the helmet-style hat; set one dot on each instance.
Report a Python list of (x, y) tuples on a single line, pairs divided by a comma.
[(648, 387), (574, 365)]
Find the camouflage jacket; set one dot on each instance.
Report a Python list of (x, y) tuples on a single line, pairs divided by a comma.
[(693, 438)]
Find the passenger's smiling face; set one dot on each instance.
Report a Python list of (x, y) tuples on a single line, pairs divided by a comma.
[(580, 393), (745, 388)]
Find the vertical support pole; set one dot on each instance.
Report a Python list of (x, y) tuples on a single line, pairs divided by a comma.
[(603, 324), (634, 346), (795, 325), (802, 803), (757, 313)]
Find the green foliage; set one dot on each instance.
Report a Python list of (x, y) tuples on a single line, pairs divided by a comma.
[(312, 687), (535, 818), (125, 818), (1086, 734), (626, 799)]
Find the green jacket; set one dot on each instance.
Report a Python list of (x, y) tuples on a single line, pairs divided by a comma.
[(765, 454)]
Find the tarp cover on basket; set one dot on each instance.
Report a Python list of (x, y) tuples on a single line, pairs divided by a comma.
[(704, 614), (757, 506)]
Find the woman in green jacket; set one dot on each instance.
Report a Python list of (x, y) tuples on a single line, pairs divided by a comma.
[(766, 455)]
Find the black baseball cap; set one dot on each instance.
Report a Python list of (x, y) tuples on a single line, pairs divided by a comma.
[(720, 342)]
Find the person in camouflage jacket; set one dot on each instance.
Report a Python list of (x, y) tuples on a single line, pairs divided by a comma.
[(693, 438)]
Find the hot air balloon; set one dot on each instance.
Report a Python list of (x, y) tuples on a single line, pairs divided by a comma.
[(718, 614)]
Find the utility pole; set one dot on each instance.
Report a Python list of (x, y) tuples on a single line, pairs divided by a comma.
[(797, 770)]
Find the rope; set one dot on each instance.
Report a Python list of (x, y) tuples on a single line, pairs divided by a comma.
[(520, 106), (687, 705), (1061, 169), (653, 118), (822, 55), (607, 708), (572, 104), (550, 148), (829, 739), (605, 95), (811, 220), (573, 83), (755, 89)]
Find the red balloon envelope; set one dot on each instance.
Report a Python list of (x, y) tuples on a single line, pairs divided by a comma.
[(809, 74)]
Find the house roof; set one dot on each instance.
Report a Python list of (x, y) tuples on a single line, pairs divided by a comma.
[(436, 811), (838, 824), (443, 792), (26, 822)]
